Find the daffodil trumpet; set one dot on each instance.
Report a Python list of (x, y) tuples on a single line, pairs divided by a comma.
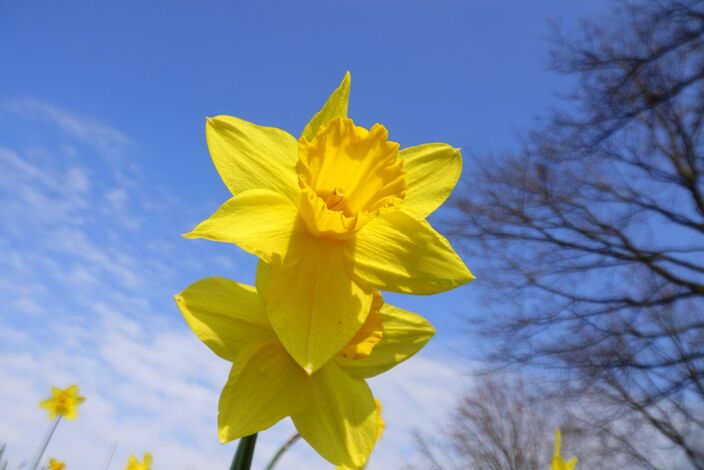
[(333, 409), (337, 215)]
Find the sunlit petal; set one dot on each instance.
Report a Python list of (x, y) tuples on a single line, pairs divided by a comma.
[(396, 252), (335, 106), (341, 422), (249, 156), (265, 386), (404, 334), (225, 315), (432, 171)]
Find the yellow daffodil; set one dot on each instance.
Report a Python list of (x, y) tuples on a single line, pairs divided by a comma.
[(133, 462), (56, 465), (333, 409), (558, 463), (337, 214), (63, 403)]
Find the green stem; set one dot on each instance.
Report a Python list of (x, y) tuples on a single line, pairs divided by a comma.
[(42, 448), (245, 452), (282, 451)]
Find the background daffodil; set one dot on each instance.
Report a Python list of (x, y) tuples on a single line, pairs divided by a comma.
[(338, 213), (133, 462), (56, 465), (558, 463), (333, 409), (63, 403)]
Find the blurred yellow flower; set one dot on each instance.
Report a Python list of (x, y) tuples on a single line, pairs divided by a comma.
[(338, 213), (333, 409), (56, 465), (558, 463), (63, 403), (133, 462)]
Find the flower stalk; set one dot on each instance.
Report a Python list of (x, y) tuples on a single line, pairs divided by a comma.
[(287, 445), (45, 444), (245, 453)]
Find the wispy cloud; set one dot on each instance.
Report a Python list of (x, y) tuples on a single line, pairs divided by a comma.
[(89, 265)]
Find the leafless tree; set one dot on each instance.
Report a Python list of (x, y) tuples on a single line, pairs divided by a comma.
[(498, 425), (590, 239)]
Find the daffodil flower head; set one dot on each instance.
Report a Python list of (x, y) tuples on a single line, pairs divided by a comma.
[(56, 464), (63, 403), (133, 462), (333, 409), (558, 463), (336, 215)]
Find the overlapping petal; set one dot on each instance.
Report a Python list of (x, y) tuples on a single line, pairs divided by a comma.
[(432, 171), (249, 156), (404, 334), (225, 315), (341, 421), (264, 386), (332, 408), (313, 304), (397, 252), (260, 221), (335, 106)]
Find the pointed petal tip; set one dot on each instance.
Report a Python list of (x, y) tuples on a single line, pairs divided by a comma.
[(470, 276)]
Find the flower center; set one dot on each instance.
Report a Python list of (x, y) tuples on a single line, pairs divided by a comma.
[(62, 403), (369, 334), (347, 175)]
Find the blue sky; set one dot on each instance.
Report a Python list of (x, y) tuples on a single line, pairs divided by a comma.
[(103, 164)]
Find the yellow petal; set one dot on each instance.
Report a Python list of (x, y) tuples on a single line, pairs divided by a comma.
[(432, 171), (264, 386), (259, 221), (369, 335), (335, 106), (570, 464), (225, 315), (396, 252), (313, 305), (71, 413), (248, 156), (405, 333), (341, 422), (558, 463)]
